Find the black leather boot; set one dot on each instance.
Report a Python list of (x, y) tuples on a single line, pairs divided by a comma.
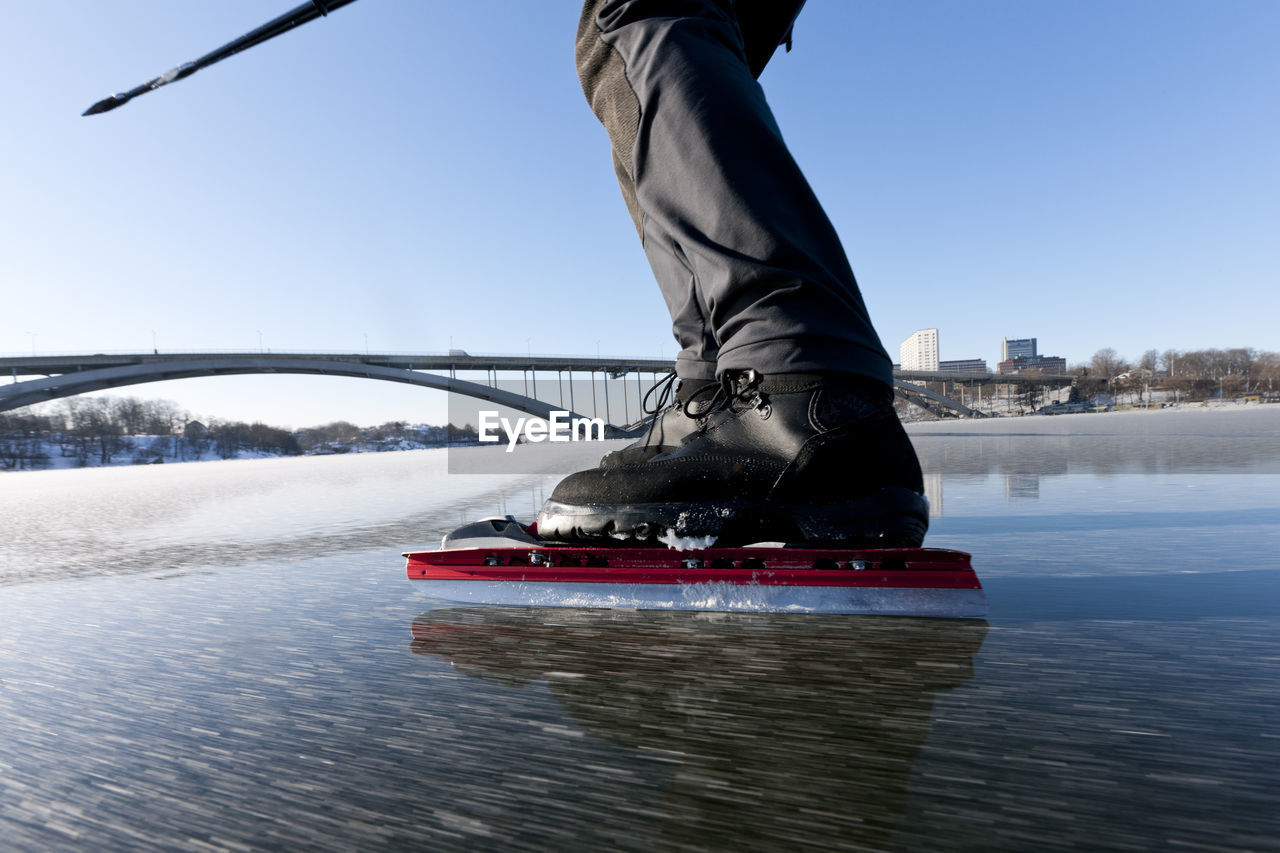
[(673, 421), (798, 458)]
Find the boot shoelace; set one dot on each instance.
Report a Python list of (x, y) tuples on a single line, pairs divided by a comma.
[(667, 385), (665, 392), (736, 391)]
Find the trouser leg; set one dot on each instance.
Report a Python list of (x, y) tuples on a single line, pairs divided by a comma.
[(751, 269)]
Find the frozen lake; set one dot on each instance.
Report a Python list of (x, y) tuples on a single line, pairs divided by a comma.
[(226, 656)]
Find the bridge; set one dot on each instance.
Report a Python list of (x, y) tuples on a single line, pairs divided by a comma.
[(68, 375)]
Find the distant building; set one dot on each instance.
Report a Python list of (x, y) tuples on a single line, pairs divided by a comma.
[(920, 351), (1044, 363), (1013, 348), (1138, 373), (964, 365)]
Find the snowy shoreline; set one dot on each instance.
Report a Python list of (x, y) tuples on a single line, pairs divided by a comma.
[(1243, 415), (1264, 416)]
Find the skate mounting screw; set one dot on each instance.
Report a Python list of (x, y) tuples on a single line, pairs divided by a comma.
[(537, 558), (859, 565), (491, 561), (691, 563)]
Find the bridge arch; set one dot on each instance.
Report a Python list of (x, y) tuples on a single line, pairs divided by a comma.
[(32, 391), (66, 376)]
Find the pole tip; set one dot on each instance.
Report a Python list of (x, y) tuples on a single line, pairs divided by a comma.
[(105, 105)]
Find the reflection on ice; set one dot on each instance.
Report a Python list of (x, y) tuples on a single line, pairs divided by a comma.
[(1167, 442), (1025, 452), (762, 719)]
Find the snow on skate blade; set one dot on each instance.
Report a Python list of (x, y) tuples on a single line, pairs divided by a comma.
[(899, 582), (677, 542)]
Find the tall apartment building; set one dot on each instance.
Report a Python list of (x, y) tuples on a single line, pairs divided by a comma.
[(1018, 348), (920, 351)]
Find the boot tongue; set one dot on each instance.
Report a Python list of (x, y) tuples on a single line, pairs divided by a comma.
[(697, 397), (689, 387)]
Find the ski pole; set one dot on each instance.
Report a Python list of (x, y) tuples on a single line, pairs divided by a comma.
[(293, 18)]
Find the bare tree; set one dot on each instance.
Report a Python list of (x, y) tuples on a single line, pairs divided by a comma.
[(21, 440), (197, 437), (1107, 364), (129, 414), (1268, 369), (163, 417)]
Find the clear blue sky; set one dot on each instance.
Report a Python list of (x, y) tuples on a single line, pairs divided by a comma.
[(408, 175)]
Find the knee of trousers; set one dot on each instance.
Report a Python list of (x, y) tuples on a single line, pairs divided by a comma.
[(601, 69), (603, 76)]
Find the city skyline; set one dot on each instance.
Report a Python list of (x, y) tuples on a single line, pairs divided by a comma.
[(922, 351)]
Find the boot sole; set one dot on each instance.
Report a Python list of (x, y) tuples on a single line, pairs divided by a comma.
[(893, 517)]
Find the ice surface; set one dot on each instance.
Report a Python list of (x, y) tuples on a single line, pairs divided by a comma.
[(1101, 495)]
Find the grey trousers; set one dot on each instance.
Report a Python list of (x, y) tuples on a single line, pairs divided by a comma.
[(750, 266)]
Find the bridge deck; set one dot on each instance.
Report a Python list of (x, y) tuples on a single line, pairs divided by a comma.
[(49, 365)]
